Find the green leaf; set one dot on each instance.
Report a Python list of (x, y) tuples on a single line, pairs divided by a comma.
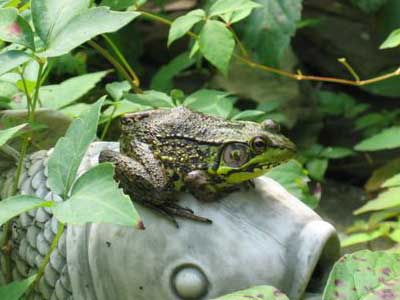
[(386, 199), (268, 29), (119, 4), (16, 289), (95, 21), (96, 198), (70, 149), (388, 88), (369, 6), (117, 89), (210, 102), (387, 139), (365, 275), (12, 59), (294, 179), (221, 7), (339, 104), (392, 182), (14, 28), (16, 205), (244, 12), (249, 115), (59, 95), (336, 152), (183, 24), (258, 292), (392, 41), (162, 80), (317, 168), (122, 107), (151, 98), (217, 44), (364, 237), (8, 133)]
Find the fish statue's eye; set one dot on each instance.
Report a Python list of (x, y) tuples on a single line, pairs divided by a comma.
[(235, 155), (259, 144)]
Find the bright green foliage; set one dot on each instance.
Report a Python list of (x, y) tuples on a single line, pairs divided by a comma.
[(69, 91), (258, 292), (386, 199), (364, 237), (71, 148), (392, 41), (369, 6), (280, 18), (95, 198), (242, 12), (16, 205), (14, 28), (121, 4), (228, 7), (151, 99), (12, 59), (293, 178), (162, 80), (8, 133), (365, 275), (392, 182), (336, 152), (210, 102), (117, 89), (317, 168), (249, 115), (183, 24), (217, 44), (386, 139), (16, 289)]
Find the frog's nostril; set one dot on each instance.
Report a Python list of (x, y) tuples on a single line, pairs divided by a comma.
[(189, 283)]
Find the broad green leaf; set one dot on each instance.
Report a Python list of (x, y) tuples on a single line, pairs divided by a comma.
[(221, 7), (258, 292), (387, 139), (16, 289), (12, 59), (95, 21), (16, 205), (336, 152), (120, 4), (70, 149), (365, 275), (151, 98), (117, 89), (183, 24), (386, 199), (14, 28), (122, 107), (96, 198), (244, 12), (294, 179), (8, 133), (249, 115), (391, 182), (369, 6), (75, 110), (363, 237), (59, 95), (317, 168), (210, 102), (268, 29), (162, 80), (392, 41), (217, 44)]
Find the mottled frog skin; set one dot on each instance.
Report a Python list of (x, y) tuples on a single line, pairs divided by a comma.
[(166, 151)]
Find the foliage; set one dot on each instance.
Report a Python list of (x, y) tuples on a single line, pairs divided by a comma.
[(259, 292)]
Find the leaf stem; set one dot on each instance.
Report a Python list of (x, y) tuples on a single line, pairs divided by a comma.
[(298, 76), (103, 134)]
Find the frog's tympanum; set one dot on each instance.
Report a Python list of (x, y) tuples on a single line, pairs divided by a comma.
[(165, 151)]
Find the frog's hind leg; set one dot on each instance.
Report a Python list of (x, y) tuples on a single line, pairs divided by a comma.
[(175, 209)]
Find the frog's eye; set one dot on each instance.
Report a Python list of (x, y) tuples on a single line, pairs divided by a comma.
[(271, 126), (236, 155), (258, 144)]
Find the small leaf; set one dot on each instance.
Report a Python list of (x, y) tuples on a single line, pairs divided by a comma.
[(363, 237), (70, 149), (12, 59), (258, 292), (386, 199), (392, 182), (16, 205), (108, 204), (317, 168), (183, 24), (222, 7), (117, 89), (392, 41), (249, 115), (336, 152), (387, 139), (217, 44), (151, 98), (365, 275), (14, 28), (236, 16), (95, 21), (60, 95), (16, 289), (8, 133)]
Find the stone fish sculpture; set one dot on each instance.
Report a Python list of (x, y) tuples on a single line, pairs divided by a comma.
[(260, 236)]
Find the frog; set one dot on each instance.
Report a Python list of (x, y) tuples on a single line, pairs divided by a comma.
[(167, 151)]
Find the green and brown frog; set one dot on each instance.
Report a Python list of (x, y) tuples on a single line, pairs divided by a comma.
[(166, 151)]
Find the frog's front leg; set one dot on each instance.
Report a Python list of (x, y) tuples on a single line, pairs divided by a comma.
[(142, 187)]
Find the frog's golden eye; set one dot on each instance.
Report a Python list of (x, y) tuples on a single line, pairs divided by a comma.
[(235, 155), (258, 144)]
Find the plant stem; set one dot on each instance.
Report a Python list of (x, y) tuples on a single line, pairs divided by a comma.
[(116, 64), (298, 76), (103, 134)]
